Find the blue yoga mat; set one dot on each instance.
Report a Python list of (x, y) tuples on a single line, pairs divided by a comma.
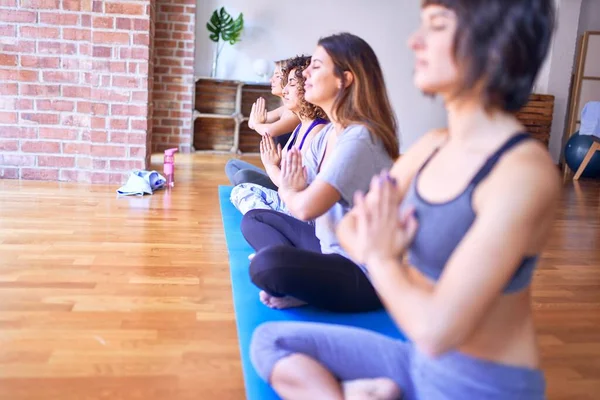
[(250, 312)]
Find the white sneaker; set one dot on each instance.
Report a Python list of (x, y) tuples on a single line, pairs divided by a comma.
[(251, 256)]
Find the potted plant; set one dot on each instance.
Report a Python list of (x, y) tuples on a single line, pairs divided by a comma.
[(223, 28)]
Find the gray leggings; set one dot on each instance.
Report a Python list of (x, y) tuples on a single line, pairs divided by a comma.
[(239, 171), (352, 353)]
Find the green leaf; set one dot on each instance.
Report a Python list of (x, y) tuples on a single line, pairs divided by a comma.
[(223, 26)]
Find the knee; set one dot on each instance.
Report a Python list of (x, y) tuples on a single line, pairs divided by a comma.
[(267, 348), (266, 267), (231, 169), (250, 221)]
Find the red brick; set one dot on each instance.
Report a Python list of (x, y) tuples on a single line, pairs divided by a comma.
[(103, 22), (99, 164), (165, 52), (73, 5), (98, 123), (17, 160), (41, 62), (25, 104), (141, 25), (118, 66), (8, 30), (86, 20), (91, 78), (59, 76), (14, 132), (39, 90), (44, 119), (70, 175), (125, 81), (39, 174), (8, 117), (109, 95), (55, 105), (101, 51), (119, 123), (165, 8), (57, 133), (9, 145), (137, 151), (8, 3), (83, 162), (8, 60), (57, 48), (73, 64), (139, 124), (76, 91), (181, 17), (143, 68), (138, 53), (38, 32), (133, 68), (184, 54), (40, 4), (126, 165), (21, 46), (182, 36), (111, 38), (76, 120), (99, 137), (118, 8), (108, 151), (59, 18), (9, 173), (98, 6), (105, 81), (54, 161), (76, 148), (101, 65), (125, 24), (17, 16), (128, 137), (141, 39), (76, 34), (85, 49), (117, 109), (40, 147)]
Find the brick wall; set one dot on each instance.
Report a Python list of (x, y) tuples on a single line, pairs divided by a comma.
[(74, 89), (173, 74)]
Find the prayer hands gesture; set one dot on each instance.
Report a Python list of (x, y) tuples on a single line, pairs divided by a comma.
[(269, 153), (381, 231), (258, 113), (293, 175)]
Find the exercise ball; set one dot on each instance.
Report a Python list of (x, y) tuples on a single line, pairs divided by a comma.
[(575, 150)]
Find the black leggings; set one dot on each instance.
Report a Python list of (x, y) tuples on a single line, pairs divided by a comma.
[(289, 262)]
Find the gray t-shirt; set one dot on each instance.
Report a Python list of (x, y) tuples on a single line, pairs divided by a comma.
[(357, 156)]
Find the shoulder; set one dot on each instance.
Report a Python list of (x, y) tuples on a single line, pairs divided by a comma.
[(526, 180)]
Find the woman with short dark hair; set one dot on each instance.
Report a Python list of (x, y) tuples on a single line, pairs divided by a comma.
[(471, 206)]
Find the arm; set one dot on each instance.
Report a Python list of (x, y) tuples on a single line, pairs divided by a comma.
[(275, 115), (443, 317), (285, 124)]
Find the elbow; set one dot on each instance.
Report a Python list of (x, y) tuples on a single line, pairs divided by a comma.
[(435, 339), (302, 214)]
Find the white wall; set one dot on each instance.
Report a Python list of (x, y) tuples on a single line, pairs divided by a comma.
[(280, 29), (590, 16), (555, 75)]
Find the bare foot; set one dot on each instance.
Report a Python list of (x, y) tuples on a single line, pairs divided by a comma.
[(371, 389), (279, 302)]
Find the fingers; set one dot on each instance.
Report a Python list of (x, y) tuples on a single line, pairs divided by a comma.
[(279, 150)]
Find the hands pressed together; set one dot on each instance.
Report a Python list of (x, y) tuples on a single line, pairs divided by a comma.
[(381, 231), (258, 113), (294, 176), (270, 154)]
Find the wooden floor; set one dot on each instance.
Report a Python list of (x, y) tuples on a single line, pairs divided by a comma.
[(130, 298)]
